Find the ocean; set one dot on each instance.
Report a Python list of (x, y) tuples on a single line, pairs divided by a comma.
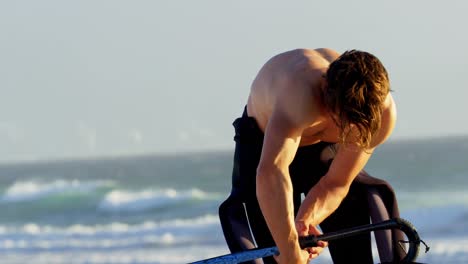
[(163, 208)]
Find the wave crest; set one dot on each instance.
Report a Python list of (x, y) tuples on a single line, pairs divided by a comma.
[(32, 190), (122, 200), (115, 235)]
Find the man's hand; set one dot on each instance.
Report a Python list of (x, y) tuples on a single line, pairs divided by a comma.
[(304, 229), (298, 256)]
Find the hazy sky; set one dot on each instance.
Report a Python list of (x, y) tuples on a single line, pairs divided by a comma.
[(92, 78)]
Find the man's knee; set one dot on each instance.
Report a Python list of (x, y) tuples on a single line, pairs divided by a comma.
[(230, 209)]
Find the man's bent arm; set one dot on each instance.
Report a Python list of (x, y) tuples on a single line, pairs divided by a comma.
[(274, 187), (325, 197)]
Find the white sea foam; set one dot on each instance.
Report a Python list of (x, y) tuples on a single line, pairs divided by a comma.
[(192, 225), (123, 200), (447, 251), (104, 243), (110, 242), (124, 243), (432, 198), (165, 256), (31, 190), (439, 220)]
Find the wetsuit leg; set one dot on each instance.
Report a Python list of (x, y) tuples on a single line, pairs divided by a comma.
[(240, 213), (260, 229), (235, 225), (306, 170), (352, 212), (383, 206)]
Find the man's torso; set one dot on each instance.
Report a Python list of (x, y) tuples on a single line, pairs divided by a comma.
[(307, 67)]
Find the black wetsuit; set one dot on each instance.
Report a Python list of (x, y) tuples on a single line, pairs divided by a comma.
[(242, 208)]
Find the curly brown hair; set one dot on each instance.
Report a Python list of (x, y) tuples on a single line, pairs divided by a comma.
[(357, 85)]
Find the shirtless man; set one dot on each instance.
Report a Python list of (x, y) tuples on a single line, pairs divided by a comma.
[(312, 121)]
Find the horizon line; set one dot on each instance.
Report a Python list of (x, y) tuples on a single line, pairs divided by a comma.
[(201, 151)]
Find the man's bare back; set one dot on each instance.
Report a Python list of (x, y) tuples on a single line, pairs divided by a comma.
[(305, 68)]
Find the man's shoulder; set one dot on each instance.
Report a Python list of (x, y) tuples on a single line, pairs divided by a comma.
[(388, 121)]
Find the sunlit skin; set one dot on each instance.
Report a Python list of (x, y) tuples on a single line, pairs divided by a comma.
[(286, 99)]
